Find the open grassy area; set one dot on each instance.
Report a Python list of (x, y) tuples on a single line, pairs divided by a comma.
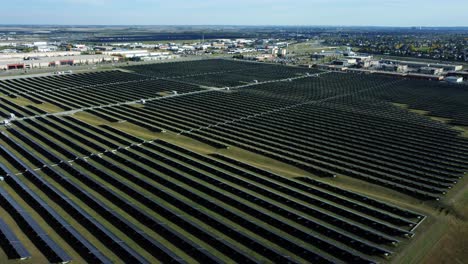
[(444, 236), (463, 129)]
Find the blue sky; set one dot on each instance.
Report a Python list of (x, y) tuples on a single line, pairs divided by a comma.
[(237, 12)]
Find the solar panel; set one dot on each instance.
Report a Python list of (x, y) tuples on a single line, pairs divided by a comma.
[(15, 246), (35, 232)]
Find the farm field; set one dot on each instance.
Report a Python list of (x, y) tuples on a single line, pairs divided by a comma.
[(221, 161)]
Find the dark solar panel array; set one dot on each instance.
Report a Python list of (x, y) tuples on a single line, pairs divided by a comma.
[(9, 241)]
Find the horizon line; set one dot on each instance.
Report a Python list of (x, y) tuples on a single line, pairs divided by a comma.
[(238, 25)]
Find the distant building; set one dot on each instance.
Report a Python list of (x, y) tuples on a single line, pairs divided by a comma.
[(217, 45), (244, 41), (463, 74), (394, 67), (47, 48), (45, 62), (200, 47), (7, 44), (187, 47), (332, 67), (39, 43), (160, 57), (345, 62), (431, 70), (326, 54), (417, 76), (360, 58), (127, 53), (103, 48), (80, 47), (454, 79), (8, 56), (362, 61), (274, 51), (264, 57), (283, 52), (417, 64), (9, 51), (364, 64), (429, 77)]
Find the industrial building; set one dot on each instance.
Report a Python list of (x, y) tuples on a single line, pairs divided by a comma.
[(428, 77), (127, 53), (416, 64), (140, 54), (431, 70), (160, 57), (103, 48), (332, 67), (362, 61), (283, 52), (394, 67), (7, 56), (45, 62), (454, 79), (463, 74), (326, 54), (417, 76)]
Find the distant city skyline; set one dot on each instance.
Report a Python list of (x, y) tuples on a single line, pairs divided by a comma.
[(398, 13)]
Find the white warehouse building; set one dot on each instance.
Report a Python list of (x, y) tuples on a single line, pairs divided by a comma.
[(127, 53)]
